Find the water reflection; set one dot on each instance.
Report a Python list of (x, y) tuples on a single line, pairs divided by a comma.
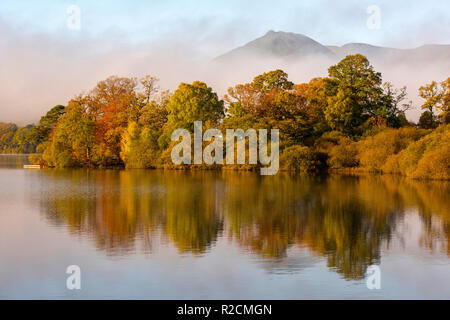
[(13, 161), (347, 220)]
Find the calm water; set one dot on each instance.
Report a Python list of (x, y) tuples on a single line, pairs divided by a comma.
[(161, 235)]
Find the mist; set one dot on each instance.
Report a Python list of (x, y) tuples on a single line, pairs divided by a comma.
[(39, 71)]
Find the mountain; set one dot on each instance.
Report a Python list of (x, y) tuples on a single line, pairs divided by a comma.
[(363, 48), (284, 45), (293, 46), (430, 52)]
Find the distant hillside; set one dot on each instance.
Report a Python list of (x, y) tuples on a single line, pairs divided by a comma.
[(280, 45), (293, 46), (429, 52)]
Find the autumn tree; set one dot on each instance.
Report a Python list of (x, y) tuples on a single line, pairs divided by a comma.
[(268, 95), (445, 106), (155, 113), (7, 132), (315, 94), (73, 140), (139, 146), (269, 101), (437, 98), (113, 103), (15, 139), (21, 141), (241, 106), (189, 103), (432, 95)]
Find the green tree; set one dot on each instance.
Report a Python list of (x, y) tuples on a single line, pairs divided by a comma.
[(342, 113), (427, 120), (139, 147), (358, 94), (21, 142), (73, 140), (14, 139), (315, 93), (270, 101), (189, 103), (42, 131), (7, 132), (277, 79)]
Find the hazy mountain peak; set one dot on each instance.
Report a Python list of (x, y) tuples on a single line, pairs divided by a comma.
[(280, 44), (295, 46)]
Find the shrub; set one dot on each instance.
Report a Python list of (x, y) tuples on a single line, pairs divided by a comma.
[(434, 164), (375, 150), (391, 165), (427, 157), (343, 155), (301, 158)]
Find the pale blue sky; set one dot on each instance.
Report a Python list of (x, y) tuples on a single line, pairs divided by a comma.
[(403, 23)]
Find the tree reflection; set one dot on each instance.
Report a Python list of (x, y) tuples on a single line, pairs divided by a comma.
[(347, 220), (326, 215), (193, 219)]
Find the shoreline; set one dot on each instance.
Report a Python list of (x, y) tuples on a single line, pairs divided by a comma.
[(356, 172)]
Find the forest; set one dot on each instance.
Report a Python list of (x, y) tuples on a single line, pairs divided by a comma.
[(348, 121)]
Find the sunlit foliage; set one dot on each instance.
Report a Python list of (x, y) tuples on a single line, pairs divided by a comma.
[(348, 120), (375, 150)]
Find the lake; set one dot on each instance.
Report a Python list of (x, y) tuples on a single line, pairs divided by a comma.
[(153, 234)]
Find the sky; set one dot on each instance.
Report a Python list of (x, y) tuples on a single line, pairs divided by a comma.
[(43, 62), (404, 23)]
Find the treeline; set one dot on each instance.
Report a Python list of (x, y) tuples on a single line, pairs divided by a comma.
[(348, 120), (15, 139)]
